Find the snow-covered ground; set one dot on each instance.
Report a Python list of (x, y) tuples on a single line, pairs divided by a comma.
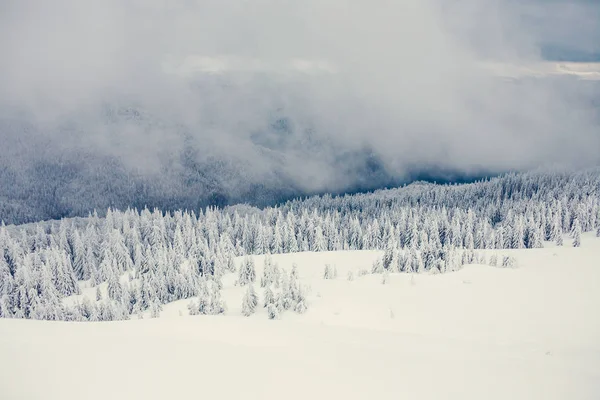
[(532, 332)]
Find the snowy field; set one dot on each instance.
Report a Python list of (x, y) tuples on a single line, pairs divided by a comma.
[(532, 332)]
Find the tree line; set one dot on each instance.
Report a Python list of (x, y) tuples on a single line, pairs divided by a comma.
[(149, 258)]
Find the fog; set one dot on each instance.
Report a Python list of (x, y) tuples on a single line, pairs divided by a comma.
[(294, 92)]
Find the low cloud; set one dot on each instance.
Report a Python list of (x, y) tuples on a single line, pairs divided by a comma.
[(295, 91)]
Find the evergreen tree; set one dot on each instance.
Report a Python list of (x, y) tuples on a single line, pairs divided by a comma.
[(250, 301), (389, 256), (155, 309), (268, 272), (80, 263), (576, 233), (114, 288), (301, 302), (269, 297), (517, 237), (247, 272), (217, 305), (272, 311), (494, 260), (385, 276), (328, 272), (509, 262)]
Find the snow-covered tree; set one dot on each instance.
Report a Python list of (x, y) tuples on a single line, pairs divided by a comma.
[(328, 272), (301, 302), (272, 311), (247, 271), (249, 301), (493, 260), (268, 272), (509, 262), (155, 309), (269, 297), (576, 233)]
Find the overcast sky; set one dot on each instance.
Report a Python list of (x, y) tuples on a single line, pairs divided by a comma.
[(401, 78)]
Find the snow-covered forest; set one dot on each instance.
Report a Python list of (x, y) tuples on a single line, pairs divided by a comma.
[(147, 258)]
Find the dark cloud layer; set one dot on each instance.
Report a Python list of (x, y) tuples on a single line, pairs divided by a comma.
[(183, 103)]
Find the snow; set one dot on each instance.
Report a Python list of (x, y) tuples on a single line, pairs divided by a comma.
[(479, 333)]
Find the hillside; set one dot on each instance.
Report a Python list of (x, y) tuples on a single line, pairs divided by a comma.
[(479, 290), (528, 332)]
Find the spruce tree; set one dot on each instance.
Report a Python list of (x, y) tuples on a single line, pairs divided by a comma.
[(269, 297), (247, 272), (249, 301), (301, 302), (272, 311), (267, 277), (155, 309), (576, 233)]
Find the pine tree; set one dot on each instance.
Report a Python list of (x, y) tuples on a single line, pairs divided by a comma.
[(500, 244), (412, 235), (80, 265), (217, 306), (559, 240), (272, 311), (469, 242), (377, 267), (385, 276), (269, 297), (576, 233), (276, 275), (247, 272), (203, 304), (267, 277), (155, 309), (288, 294), (418, 265), (230, 264), (509, 262), (250, 301), (114, 287), (408, 262), (328, 272), (294, 271), (494, 259), (301, 302), (320, 244), (389, 255), (517, 235)]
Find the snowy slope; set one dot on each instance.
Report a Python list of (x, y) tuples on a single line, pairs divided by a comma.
[(482, 332)]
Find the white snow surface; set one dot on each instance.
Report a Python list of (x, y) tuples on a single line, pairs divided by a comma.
[(531, 332)]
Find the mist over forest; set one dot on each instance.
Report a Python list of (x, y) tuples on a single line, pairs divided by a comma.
[(134, 104)]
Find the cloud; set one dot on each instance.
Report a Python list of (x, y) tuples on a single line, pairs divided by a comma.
[(298, 89)]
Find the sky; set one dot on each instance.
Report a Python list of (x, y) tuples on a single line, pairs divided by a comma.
[(296, 91)]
